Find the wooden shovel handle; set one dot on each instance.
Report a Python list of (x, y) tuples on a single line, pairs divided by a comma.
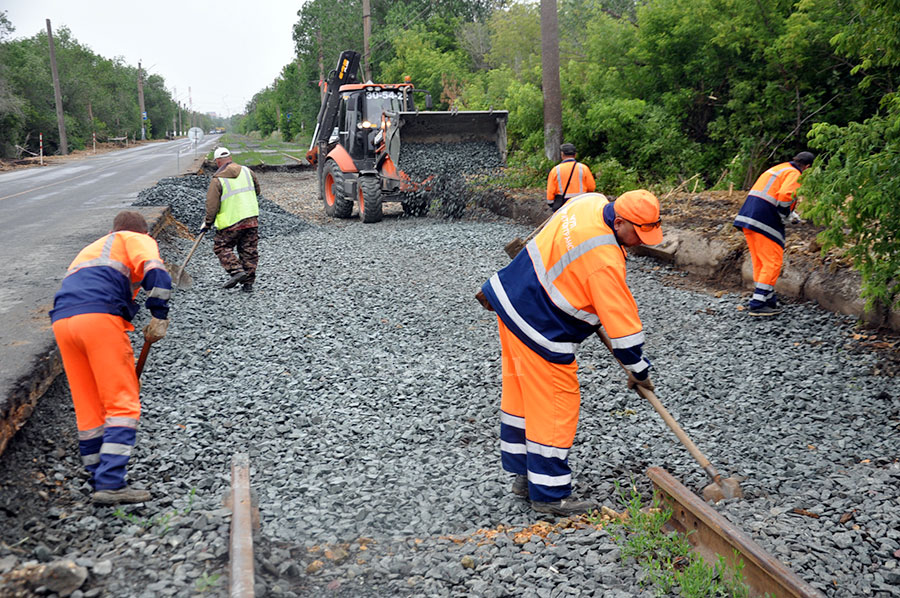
[(142, 358), (666, 416)]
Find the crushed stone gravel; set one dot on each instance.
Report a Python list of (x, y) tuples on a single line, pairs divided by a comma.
[(364, 380)]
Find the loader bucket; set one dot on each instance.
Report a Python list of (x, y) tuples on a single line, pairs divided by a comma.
[(454, 127)]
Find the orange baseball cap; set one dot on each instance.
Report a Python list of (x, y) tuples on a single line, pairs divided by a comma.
[(641, 208)]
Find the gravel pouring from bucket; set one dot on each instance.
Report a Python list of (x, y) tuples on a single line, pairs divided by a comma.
[(180, 277), (720, 488)]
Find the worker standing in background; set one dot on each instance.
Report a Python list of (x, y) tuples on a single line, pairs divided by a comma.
[(768, 206), (91, 315), (231, 204), (568, 179), (568, 282)]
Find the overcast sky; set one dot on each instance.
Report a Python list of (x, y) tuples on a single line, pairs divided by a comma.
[(225, 51)]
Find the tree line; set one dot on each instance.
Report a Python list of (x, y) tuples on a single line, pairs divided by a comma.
[(99, 95), (654, 92)]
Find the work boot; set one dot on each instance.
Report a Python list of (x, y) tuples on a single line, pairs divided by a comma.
[(765, 310), (124, 495), (247, 287), (520, 486), (565, 507), (235, 279)]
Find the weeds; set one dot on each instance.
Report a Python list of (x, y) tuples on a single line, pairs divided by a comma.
[(207, 581), (667, 557), (161, 522)]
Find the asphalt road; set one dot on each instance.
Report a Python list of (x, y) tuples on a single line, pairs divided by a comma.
[(47, 215)]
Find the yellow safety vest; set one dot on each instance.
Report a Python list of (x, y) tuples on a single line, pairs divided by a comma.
[(238, 200)]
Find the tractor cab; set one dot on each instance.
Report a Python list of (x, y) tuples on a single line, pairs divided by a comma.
[(361, 115)]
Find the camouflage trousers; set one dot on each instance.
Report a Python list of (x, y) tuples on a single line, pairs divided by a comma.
[(245, 240)]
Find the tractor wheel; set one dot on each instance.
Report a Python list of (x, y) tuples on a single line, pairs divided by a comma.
[(370, 208), (416, 204), (336, 205)]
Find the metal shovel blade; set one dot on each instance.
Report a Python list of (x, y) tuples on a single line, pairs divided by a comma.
[(513, 248), (181, 278)]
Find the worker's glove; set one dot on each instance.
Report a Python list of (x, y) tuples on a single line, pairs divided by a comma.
[(155, 330), (795, 218), (633, 383), (483, 301), (203, 229)]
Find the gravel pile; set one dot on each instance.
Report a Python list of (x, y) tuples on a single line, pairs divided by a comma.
[(455, 174), (186, 198), (364, 381)]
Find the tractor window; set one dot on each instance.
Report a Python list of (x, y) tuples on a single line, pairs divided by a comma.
[(377, 102)]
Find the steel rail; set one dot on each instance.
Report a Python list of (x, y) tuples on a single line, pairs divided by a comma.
[(241, 543), (711, 536)]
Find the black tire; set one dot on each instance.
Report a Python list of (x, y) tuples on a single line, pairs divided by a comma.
[(370, 204), (416, 204), (336, 204)]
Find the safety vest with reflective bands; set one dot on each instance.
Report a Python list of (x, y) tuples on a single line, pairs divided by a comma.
[(769, 201), (582, 180), (570, 279), (106, 275), (238, 200)]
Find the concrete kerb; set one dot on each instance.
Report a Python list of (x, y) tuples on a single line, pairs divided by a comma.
[(835, 290), (21, 399)]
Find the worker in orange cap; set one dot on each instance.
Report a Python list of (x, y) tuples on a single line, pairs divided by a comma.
[(569, 281), (91, 314), (568, 179), (768, 206)]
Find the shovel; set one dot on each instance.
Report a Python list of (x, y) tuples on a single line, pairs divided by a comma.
[(513, 248), (180, 277), (719, 489), (142, 359)]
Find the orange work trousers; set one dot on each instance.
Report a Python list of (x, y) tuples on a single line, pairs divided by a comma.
[(539, 416), (99, 362), (767, 257)]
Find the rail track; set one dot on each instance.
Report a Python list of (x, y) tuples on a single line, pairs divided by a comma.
[(709, 533)]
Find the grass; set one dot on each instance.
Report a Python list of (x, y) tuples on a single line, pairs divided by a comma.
[(253, 151), (667, 557), (207, 581), (160, 522)]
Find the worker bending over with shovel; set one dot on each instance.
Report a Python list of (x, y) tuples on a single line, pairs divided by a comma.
[(569, 281), (91, 315), (768, 206), (231, 204)]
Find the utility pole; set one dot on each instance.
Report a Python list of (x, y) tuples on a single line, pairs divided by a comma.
[(367, 33), (550, 79), (141, 101), (190, 108), (60, 121), (321, 65)]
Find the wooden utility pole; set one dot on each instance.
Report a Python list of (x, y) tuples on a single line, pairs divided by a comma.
[(367, 33), (141, 101), (60, 121), (321, 65), (190, 108), (550, 79)]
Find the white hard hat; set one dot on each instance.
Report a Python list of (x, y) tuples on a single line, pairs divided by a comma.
[(221, 152)]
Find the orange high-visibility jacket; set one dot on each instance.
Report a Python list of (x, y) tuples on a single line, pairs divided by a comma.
[(106, 275), (582, 179), (569, 280), (770, 199)]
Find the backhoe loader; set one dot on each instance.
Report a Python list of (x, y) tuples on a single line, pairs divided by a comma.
[(359, 136)]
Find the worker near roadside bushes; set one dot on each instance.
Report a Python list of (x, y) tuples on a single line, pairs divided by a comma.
[(568, 281), (568, 179), (231, 204), (91, 315), (768, 206)]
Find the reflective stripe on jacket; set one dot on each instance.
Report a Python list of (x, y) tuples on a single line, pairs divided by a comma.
[(769, 201), (238, 200), (570, 279), (106, 275), (582, 179)]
